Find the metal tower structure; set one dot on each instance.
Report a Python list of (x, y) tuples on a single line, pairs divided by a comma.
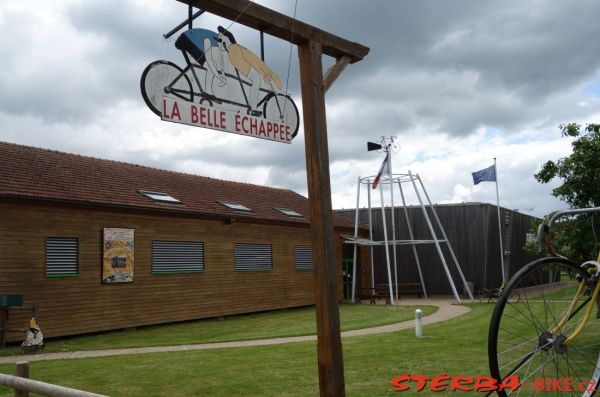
[(437, 239)]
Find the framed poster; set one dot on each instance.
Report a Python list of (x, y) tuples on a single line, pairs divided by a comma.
[(117, 258)]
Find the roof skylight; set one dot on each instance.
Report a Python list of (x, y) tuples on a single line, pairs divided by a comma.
[(235, 206), (289, 212), (160, 197)]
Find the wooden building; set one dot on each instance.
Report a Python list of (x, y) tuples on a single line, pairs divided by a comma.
[(99, 245), (472, 230)]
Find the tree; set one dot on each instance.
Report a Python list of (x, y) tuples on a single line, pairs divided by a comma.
[(580, 188)]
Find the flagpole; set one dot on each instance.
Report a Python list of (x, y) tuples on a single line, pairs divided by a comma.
[(499, 224)]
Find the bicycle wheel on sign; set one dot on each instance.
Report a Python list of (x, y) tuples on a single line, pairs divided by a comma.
[(539, 309), (164, 78), (281, 108)]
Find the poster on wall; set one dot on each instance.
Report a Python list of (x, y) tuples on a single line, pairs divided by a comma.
[(117, 259)]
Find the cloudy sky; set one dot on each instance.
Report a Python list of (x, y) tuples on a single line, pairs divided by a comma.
[(457, 82)]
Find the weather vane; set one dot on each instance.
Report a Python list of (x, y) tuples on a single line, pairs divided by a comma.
[(385, 144)]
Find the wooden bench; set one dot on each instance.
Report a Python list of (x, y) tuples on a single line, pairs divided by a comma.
[(382, 291), (410, 289), (4, 312), (364, 293), (403, 289)]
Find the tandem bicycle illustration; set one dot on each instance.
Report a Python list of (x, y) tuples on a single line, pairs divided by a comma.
[(221, 74)]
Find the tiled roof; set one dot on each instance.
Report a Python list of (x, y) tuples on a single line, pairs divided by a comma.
[(28, 172)]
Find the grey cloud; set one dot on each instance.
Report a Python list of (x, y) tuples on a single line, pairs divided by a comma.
[(436, 66), (522, 54)]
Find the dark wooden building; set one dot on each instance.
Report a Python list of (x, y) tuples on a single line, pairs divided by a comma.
[(472, 230), (99, 245)]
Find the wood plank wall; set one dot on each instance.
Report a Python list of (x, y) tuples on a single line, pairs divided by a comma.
[(81, 305), (472, 230)]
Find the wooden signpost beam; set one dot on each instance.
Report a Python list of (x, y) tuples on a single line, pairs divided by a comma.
[(312, 44), (334, 72), (282, 26), (329, 342)]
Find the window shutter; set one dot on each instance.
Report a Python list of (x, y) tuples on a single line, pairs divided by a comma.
[(61, 256), (303, 257), (177, 257), (253, 257)]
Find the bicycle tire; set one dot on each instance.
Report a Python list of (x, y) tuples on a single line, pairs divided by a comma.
[(152, 84), (289, 112), (524, 339)]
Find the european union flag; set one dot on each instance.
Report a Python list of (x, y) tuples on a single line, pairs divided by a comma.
[(486, 174)]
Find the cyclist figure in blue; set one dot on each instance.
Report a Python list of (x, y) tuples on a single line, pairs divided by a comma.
[(203, 46)]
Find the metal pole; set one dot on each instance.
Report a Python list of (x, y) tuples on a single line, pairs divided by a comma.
[(486, 222), (412, 237), (390, 176), (355, 244), (371, 237), (499, 225), (262, 44), (435, 239), (182, 24), (439, 223), (387, 248)]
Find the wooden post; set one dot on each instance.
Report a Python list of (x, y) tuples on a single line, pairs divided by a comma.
[(312, 44), (329, 343), (22, 371), (3, 321)]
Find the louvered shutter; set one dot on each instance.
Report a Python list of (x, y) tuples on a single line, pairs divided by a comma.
[(253, 257), (303, 257), (177, 257), (61, 257)]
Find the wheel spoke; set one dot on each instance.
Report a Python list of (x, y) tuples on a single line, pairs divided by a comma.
[(530, 325)]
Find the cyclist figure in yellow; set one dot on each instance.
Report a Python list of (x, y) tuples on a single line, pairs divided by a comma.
[(250, 65)]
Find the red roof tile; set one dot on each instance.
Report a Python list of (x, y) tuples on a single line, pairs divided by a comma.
[(28, 172)]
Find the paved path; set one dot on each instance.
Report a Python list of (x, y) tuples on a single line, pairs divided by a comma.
[(447, 310)]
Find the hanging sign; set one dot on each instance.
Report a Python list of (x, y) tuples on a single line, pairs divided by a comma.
[(184, 112), (223, 86)]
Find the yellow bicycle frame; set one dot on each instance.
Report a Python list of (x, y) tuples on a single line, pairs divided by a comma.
[(586, 317)]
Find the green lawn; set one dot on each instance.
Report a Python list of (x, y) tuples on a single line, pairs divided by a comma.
[(291, 322), (456, 347)]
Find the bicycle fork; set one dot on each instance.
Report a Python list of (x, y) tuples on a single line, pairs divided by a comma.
[(572, 311)]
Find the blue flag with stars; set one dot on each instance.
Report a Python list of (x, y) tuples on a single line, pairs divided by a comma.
[(486, 174)]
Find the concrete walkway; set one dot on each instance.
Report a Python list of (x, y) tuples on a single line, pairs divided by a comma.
[(446, 310)]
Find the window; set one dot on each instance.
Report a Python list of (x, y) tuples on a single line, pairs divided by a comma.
[(235, 206), (253, 257), (288, 212), (62, 257), (170, 257), (303, 257), (160, 197)]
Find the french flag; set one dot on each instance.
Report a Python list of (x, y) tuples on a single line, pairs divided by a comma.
[(385, 168)]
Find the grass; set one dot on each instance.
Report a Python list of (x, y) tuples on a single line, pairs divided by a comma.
[(291, 322), (455, 347)]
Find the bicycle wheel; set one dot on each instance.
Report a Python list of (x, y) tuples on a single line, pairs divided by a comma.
[(527, 336), (164, 78), (281, 108)]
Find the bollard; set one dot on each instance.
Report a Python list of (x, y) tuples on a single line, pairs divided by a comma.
[(418, 323)]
